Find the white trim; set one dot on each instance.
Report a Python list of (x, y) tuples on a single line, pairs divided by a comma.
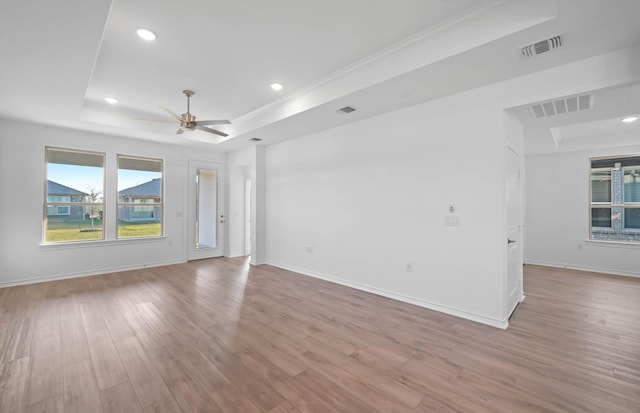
[(502, 324), (612, 244), (515, 305), (100, 243), (4, 284), (424, 35), (605, 271)]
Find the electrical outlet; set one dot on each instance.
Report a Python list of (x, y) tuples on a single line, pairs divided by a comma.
[(409, 267), (309, 250), (170, 243)]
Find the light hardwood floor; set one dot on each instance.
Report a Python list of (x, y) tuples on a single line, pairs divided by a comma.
[(221, 336)]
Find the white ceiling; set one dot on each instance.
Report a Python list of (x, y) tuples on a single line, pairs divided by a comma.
[(60, 59)]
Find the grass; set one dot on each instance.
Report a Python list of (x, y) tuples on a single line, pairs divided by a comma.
[(81, 230), (139, 229), (73, 230)]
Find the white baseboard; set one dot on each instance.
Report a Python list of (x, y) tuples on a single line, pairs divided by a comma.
[(584, 268), (502, 324), (34, 280)]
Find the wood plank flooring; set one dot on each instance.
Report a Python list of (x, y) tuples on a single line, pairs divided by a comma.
[(221, 336)]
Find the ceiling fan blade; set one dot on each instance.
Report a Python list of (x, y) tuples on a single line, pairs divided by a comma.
[(172, 113), (217, 132), (180, 131), (155, 120), (213, 122)]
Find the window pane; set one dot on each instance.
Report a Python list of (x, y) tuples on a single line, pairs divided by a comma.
[(601, 185), (632, 184), (615, 184), (601, 217), (74, 202), (139, 222), (139, 197), (632, 218)]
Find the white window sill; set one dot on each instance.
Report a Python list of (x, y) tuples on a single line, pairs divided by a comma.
[(613, 244), (99, 243)]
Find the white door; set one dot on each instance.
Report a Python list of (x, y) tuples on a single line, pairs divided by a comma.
[(206, 210), (514, 240)]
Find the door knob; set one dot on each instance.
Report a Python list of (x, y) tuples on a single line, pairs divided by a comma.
[(511, 241)]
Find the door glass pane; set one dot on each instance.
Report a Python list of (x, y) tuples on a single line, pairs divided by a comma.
[(206, 208)]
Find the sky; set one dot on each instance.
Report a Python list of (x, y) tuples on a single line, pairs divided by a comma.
[(85, 178)]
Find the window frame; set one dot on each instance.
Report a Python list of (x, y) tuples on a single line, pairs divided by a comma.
[(615, 235), (46, 203), (133, 205)]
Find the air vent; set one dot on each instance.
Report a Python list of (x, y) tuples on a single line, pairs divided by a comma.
[(543, 46), (561, 106), (346, 110), (255, 139)]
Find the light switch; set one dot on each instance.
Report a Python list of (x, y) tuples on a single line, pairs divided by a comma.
[(452, 220)]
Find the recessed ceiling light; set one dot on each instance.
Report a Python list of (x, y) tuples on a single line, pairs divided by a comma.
[(629, 119), (276, 86), (111, 100), (146, 34)]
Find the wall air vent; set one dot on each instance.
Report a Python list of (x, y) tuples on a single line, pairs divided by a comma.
[(561, 106), (542, 46), (255, 139), (346, 110)]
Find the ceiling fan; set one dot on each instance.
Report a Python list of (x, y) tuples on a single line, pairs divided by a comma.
[(188, 120)]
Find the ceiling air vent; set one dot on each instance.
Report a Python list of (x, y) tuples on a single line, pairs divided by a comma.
[(560, 106), (255, 139), (346, 110), (543, 46)]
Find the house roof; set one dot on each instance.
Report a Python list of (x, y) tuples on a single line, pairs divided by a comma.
[(152, 188), (54, 188)]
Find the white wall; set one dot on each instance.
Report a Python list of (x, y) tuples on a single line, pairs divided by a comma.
[(239, 167), (22, 173), (557, 223), (372, 196), (247, 164)]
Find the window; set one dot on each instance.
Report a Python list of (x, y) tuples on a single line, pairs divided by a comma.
[(615, 199), (139, 182), (73, 204)]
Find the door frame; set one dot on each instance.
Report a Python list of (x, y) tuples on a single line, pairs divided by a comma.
[(192, 253)]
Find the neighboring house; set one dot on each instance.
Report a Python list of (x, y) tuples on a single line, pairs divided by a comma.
[(145, 196), (59, 198)]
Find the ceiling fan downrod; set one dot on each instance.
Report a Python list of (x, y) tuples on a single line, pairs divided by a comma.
[(188, 120)]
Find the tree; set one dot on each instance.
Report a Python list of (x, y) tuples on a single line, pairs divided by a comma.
[(93, 197)]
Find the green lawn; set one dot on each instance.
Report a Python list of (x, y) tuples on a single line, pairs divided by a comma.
[(73, 231), (139, 229), (81, 230)]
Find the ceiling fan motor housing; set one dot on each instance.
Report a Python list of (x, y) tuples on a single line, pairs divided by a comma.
[(188, 121)]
